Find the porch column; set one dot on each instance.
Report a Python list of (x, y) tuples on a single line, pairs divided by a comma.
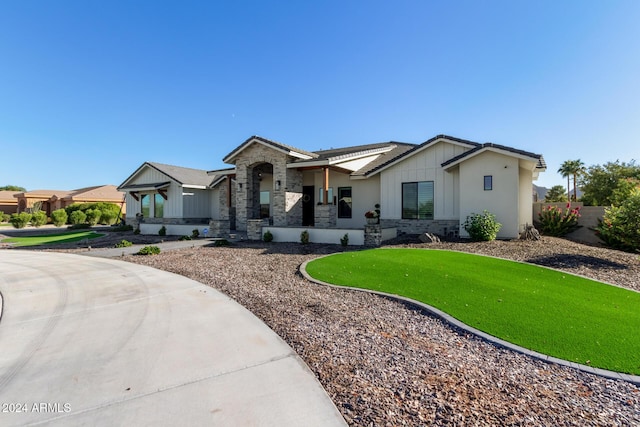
[(325, 185)]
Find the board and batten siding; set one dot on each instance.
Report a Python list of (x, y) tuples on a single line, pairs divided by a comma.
[(196, 203), (173, 204), (423, 166)]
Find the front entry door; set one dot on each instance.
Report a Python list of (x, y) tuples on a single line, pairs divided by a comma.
[(308, 205)]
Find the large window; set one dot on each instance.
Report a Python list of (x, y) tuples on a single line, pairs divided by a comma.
[(158, 208), (417, 200), (344, 202), (145, 203)]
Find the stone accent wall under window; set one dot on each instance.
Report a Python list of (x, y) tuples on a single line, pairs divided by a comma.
[(442, 227)]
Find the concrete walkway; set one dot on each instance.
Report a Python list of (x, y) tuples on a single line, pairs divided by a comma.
[(94, 341)]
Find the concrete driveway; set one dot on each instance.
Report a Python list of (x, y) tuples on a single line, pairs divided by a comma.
[(91, 341)]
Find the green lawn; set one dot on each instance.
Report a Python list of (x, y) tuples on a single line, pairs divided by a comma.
[(51, 239), (548, 311)]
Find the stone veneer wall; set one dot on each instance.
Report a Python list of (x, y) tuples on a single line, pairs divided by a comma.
[(254, 228), (326, 216), (372, 235), (219, 228), (286, 206), (441, 227)]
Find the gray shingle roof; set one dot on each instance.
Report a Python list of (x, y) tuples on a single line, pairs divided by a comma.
[(184, 176), (275, 144)]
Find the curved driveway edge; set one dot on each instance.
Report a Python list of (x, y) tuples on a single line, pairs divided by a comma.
[(634, 379), (93, 341)]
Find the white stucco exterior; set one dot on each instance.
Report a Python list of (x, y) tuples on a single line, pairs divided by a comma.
[(233, 198)]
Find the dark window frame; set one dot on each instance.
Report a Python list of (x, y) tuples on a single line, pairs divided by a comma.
[(345, 210), (488, 182), (412, 193)]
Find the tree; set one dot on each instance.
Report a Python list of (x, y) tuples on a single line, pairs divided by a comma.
[(609, 184), (13, 188), (572, 168), (620, 227), (555, 194)]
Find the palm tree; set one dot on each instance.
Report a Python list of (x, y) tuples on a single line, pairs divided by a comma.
[(572, 168), (577, 168), (565, 171)]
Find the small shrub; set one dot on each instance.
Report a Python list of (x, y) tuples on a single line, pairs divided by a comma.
[(620, 226), (4, 217), (554, 222), (123, 227), (123, 244), (344, 241), (267, 236), (304, 237), (77, 217), (59, 217), (136, 231), (149, 250), (162, 231), (82, 226), (38, 219), (108, 217), (195, 233), (93, 216), (482, 227), (185, 238), (221, 242), (20, 220)]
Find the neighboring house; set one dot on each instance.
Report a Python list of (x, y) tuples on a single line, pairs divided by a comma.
[(50, 200), (432, 187), (8, 203)]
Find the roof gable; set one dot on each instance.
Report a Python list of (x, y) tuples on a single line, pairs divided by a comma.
[(414, 149), (186, 177), (287, 149), (489, 146)]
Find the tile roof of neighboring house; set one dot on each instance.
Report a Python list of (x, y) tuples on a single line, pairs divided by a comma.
[(8, 196), (43, 193), (99, 192), (274, 144)]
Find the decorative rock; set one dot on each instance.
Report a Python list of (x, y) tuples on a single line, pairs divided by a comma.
[(428, 238)]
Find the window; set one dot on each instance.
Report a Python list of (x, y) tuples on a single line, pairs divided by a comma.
[(321, 196), (488, 182), (145, 202), (344, 202), (158, 209), (417, 200), (265, 204)]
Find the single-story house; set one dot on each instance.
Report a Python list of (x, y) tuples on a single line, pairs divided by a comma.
[(8, 203), (432, 186), (51, 200)]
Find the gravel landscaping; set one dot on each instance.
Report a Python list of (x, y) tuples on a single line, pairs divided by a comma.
[(385, 363)]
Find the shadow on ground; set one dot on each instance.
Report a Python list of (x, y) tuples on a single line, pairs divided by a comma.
[(575, 261)]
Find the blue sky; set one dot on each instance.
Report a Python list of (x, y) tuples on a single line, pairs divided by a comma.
[(89, 90)]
